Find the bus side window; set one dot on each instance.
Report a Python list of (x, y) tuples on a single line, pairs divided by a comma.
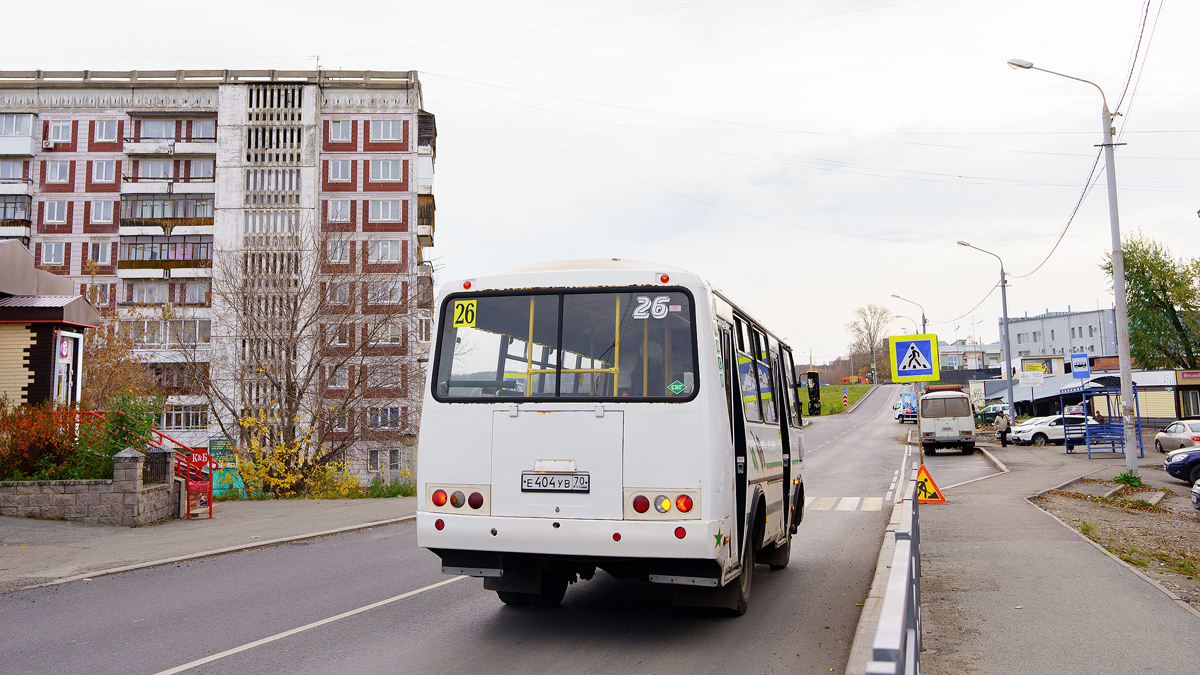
[(765, 385), (749, 386), (793, 394)]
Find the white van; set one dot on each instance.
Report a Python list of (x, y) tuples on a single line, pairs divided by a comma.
[(947, 420)]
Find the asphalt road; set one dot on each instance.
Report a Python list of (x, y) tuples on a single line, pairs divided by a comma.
[(252, 612)]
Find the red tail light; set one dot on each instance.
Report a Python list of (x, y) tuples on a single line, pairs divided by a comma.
[(1196, 438), (439, 499), (439, 524), (616, 536), (683, 503), (641, 504), (664, 278), (475, 500), (680, 533)]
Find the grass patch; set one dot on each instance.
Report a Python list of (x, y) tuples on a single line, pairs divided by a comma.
[(1088, 528), (831, 396), (1128, 479), (1184, 567), (1119, 502), (1129, 554)]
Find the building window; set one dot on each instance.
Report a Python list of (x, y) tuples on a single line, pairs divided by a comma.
[(56, 212), (1191, 403), (385, 210), (387, 130), (154, 168), (386, 170), (373, 460), (339, 131), (394, 460), (425, 326), (339, 336), (102, 212), (60, 131), (52, 253), (1052, 335), (385, 293), (1091, 348), (384, 418), (99, 251), (158, 129), (102, 172), (383, 252), (150, 294), (15, 125), (389, 333), (100, 294), (339, 170), (202, 169), (58, 172), (185, 417), (204, 130), (11, 170), (339, 294), (340, 421), (1091, 331), (1037, 336), (339, 252), (106, 131), (338, 378), (1021, 338), (339, 211), (196, 293)]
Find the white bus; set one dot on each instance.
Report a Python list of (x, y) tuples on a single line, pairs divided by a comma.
[(607, 414)]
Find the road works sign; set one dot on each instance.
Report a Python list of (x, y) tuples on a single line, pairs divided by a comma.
[(914, 358), (927, 490)]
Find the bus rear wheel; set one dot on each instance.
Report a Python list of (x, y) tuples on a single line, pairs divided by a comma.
[(554, 587), (929, 449), (744, 581), (514, 599)]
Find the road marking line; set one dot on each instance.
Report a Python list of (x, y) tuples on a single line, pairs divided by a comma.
[(824, 503), (301, 629), (848, 504), (872, 504), (888, 497)]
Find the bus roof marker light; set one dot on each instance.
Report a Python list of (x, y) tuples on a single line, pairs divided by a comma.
[(683, 503), (466, 285), (680, 533), (665, 278), (662, 503)]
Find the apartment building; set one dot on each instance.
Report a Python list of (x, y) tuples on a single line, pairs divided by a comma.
[(1093, 332), (132, 183)]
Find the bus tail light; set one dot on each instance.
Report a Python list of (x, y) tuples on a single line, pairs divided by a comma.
[(439, 498), (451, 498), (641, 504), (439, 524), (680, 533), (662, 503), (616, 536), (683, 503), (475, 500), (458, 499)]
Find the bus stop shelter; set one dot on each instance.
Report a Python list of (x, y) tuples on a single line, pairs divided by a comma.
[(1109, 435)]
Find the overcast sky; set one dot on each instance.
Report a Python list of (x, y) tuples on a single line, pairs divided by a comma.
[(806, 157)]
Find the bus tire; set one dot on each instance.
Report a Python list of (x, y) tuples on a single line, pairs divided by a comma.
[(968, 448), (514, 599), (929, 449), (778, 555), (744, 581), (554, 587)]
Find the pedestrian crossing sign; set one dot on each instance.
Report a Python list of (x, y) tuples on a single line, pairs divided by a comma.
[(927, 490), (914, 358)]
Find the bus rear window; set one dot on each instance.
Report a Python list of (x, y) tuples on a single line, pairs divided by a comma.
[(635, 345), (945, 407)]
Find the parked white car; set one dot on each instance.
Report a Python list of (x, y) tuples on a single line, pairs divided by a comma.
[(1045, 430)]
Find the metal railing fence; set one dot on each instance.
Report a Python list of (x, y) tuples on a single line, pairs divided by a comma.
[(897, 645)]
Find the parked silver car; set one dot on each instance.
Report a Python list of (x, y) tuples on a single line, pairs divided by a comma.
[(1178, 434)]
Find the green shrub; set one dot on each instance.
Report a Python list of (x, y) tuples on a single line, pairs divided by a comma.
[(1128, 479)]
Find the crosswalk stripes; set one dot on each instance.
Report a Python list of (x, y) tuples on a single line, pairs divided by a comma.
[(843, 503)]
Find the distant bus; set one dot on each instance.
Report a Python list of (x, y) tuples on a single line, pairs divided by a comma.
[(607, 414)]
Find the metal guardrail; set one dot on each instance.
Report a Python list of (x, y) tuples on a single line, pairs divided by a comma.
[(897, 645)]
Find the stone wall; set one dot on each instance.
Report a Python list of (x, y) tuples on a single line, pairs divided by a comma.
[(120, 501)]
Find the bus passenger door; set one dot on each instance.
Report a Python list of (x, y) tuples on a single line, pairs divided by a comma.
[(737, 424), (783, 401)]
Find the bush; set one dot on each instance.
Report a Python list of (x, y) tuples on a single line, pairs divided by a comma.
[(1128, 479)]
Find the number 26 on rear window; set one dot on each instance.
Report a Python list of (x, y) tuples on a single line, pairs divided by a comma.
[(464, 313), (646, 309)]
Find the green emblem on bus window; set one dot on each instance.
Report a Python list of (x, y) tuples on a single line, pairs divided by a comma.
[(677, 387)]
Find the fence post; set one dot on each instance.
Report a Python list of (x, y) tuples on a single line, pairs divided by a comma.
[(127, 480)]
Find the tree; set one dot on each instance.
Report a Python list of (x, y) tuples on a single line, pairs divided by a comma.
[(309, 359), (112, 366), (867, 338), (1163, 297)]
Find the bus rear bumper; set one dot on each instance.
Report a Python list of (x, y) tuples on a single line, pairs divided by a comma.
[(702, 539)]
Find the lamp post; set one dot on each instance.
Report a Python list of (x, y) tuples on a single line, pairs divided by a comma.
[(918, 305), (901, 316), (1118, 265), (1004, 309)]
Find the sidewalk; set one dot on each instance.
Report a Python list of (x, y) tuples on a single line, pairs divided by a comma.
[(45, 551), (1006, 588)]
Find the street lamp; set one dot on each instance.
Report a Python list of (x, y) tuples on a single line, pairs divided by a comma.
[(918, 305), (900, 316), (1003, 308), (1118, 265)]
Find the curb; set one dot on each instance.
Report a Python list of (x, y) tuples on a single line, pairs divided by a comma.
[(218, 551), (1165, 591), (861, 649), (1000, 470)]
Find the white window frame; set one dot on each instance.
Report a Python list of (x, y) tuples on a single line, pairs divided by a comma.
[(12, 169), (165, 127), (196, 136), (339, 211), (101, 294), (339, 378), (341, 421), (52, 253), (149, 294), (395, 130), (336, 174), (107, 174), (394, 459), (387, 171), (16, 124), (58, 171), (338, 293), (60, 131), (100, 251), (103, 126), (383, 251), (340, 131), (388, 333), (195, 293), (395, 210), (384, 418), (386, 293), (339, 335), (165, 164), (56, 211), (372, 460), (102, 211), (207, 164), (338, 252)]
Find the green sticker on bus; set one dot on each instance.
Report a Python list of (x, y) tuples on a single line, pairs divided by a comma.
[(677, 387)]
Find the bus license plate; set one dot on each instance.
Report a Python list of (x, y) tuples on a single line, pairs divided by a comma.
[(554, 482)]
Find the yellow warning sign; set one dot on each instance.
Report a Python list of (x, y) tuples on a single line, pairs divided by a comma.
[(927, 490)]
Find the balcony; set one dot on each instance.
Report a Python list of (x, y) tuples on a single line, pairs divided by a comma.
[(424, 283), (153, 257), (152, 214), (15, 216), (23, 146), (17, 135), (425, 211), (169, 146), (16, 186)]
